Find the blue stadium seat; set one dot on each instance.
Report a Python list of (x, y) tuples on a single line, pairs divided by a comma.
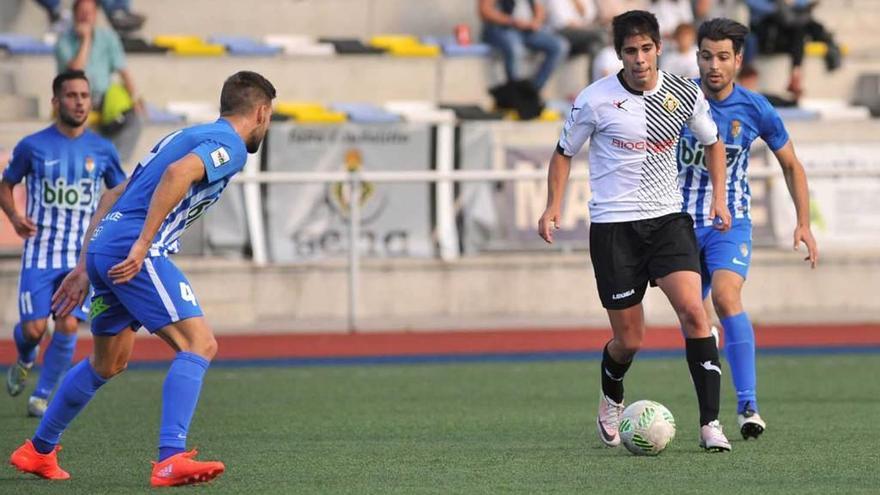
[(22, 44), (244, 46)]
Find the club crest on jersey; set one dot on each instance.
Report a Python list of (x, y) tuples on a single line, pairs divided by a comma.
[(735, 128), (744, 250), (90, 164), (219, 156), (670, 103)]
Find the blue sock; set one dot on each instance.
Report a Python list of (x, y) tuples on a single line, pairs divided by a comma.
[(27, 349), (180, 394), (739, 346), (76, 390), (55, 363)]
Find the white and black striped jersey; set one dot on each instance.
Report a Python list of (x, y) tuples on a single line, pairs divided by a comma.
[(633, 138)]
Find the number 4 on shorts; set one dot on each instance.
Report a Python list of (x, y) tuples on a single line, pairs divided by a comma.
[(186, 294)]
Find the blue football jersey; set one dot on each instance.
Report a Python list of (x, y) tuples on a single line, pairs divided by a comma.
[(741, 118), (223, 154), (64, 177)]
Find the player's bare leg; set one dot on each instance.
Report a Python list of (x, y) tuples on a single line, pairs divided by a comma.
[(739, 345), (195, 345), (683, 290), (628, 327)]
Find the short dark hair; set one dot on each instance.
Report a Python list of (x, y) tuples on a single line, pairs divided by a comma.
[(68, 75), (720, 29), (243, 91), (632, 23)]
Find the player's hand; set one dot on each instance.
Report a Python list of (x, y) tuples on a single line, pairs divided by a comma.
[(71, 293), (547, 224), (720, 215), (126, 269), (805, 235), (24, 226)]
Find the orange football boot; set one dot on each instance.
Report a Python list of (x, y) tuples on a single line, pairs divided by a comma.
[(182, 469), (27, 460)]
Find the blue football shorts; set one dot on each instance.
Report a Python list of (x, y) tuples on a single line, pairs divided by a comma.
[(731, 250), (156, 297), (35, 289)]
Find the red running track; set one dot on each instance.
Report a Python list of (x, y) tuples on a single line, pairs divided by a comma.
[(278, 346)]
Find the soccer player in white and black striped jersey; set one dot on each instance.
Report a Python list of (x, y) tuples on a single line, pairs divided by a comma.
[(638, 232)]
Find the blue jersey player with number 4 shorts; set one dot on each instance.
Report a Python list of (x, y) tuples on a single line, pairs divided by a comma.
[(137, 225), (742, 116), (64, 166)]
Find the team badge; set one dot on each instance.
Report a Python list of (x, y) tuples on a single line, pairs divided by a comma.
[(90, 164), (735, 128), (670, 103), (744, 250)]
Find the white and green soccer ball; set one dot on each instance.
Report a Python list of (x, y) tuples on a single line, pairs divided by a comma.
[(646, 427)]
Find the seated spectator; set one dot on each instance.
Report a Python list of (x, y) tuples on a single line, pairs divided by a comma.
[(606, 63), (511, 26), (784, 26), (671, 14), (583, 23), (748, 78), (681, 58), (98, 52), (710, 9), (118, 12)]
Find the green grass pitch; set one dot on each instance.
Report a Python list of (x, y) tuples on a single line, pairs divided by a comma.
[(516, 427)]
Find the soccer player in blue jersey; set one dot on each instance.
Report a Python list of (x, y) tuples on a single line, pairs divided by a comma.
[(64, 166), (137, 225), (742, 116)]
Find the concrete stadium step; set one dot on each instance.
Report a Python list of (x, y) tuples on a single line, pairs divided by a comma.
[(18, 107)]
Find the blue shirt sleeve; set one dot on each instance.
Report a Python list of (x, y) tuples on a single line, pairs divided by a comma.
[(19, 164), (772, 128), (222, 158), (113, 175)]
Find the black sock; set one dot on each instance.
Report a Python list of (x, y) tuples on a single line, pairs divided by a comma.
[(612, 376), (702, 358)]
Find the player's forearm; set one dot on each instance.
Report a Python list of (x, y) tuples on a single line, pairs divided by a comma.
[(796, 181), (557, 180), (717, 165), (7, 203), (172, 188)]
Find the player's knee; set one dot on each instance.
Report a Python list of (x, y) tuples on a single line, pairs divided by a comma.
[(110, 369), (33, 330), (692, 316), (727, 303), (629, 345), (68, 325), (205, 347)]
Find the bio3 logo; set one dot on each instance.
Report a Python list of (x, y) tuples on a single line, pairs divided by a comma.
[(696, 156), (60, 194)]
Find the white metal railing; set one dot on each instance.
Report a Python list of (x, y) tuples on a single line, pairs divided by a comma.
[(444, 177)]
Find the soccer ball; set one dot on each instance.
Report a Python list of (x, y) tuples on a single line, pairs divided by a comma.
[(646, 427)]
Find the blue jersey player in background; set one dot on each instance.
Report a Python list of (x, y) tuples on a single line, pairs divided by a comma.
[(742, 116), (64, 167), (137, 225)]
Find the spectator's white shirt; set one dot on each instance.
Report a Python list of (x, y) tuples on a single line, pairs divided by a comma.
[(606, 63), (671, 13), (561, 13), (683, 64), (522, 11)]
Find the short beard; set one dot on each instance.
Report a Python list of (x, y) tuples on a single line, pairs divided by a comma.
[(67, 119)]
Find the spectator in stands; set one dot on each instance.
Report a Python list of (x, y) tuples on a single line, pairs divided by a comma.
[(606, 63), (583, 23), (748, 78), (98, 52), (710, 9), (510, 26), (118, 13), (670, 14), (783, 26), (681, 59)]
